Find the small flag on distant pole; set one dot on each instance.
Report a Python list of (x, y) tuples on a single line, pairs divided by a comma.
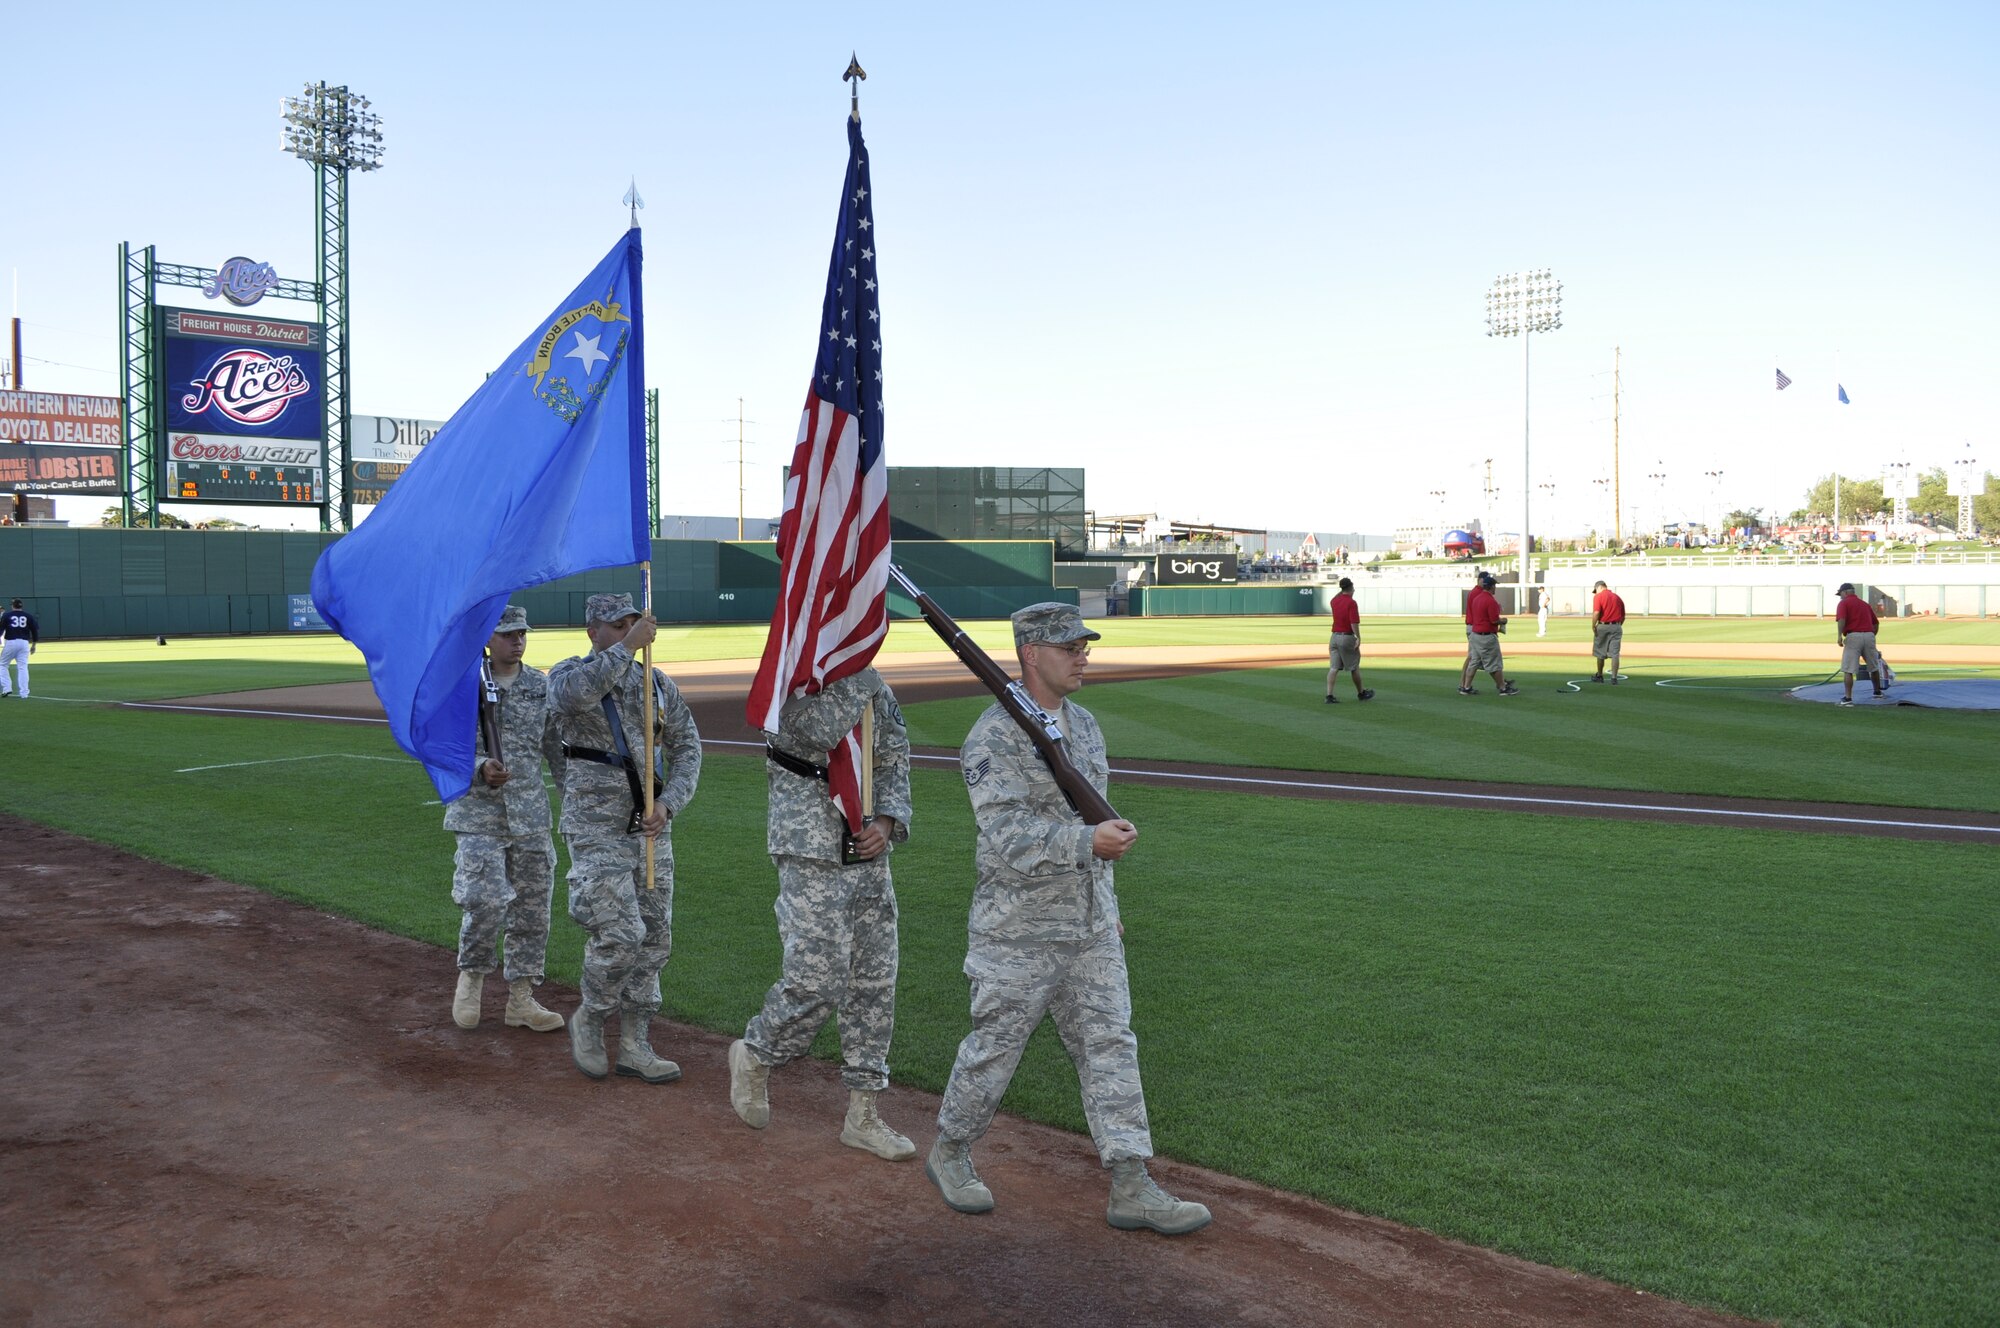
[(1843, 395), (1783, 382)]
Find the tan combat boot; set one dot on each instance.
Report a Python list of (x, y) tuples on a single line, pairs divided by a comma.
[(749, 1086), (950, 1169), (524, 1011), (1139, 1204), (865, 1130), (465, 1005), (586, 1043), (636, 1058)]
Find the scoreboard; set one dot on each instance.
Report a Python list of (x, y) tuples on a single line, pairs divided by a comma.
[(247, 483)]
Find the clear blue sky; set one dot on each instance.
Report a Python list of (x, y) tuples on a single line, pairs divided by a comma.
[(1231, 260)]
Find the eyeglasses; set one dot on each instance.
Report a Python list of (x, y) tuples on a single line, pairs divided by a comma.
[(1080, 649)]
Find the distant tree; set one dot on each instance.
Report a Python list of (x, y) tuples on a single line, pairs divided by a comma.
[(1744, 516), (1985, 508), (220, 523), (1931, 500), (1856, 496), (142, 519)]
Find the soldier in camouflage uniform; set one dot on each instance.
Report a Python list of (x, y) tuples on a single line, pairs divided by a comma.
[(505, 869), (1044, 939), (838, 923), (630, 927)]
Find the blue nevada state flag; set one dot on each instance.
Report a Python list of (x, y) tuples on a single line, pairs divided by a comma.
[(540, 475), (1843, 395)]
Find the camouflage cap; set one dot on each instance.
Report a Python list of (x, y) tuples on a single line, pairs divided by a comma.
[(514, 619), (607, 608), (1052, 623)]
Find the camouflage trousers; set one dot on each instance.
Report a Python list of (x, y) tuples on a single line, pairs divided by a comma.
[(630, 928), (503, 882), (1082, 986), (838, 925)]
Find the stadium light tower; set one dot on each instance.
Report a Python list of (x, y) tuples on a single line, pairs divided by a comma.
[(333, 129), (1965, 483), (1517, 304), (1896, 482), (1439, 495), (1715, 491), (1603, 483), (1658, 476)]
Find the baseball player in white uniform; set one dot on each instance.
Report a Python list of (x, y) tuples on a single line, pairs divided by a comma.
[(22, 634)]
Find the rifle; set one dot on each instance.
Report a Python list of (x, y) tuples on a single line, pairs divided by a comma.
[(1040, 726), (489, 713)]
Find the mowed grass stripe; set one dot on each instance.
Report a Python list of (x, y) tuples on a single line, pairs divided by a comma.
[(1636, 736), (1743, 1068)]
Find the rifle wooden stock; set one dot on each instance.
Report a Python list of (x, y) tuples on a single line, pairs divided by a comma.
[(1039, 724)]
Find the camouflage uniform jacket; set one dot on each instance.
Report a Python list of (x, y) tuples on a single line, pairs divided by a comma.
[(597, 799), (804, 823), (1038, 880), (527, 738)]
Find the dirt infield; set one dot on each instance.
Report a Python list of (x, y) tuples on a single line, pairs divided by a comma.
[(255, 1113)]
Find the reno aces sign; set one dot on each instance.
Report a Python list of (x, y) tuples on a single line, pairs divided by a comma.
[(237, 374)]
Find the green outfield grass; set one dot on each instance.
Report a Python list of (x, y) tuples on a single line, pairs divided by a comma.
[(1727, 728), (1745, 1068), (679, 642)]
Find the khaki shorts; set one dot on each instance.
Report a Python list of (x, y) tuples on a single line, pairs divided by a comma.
[(1604, 642), (1344, 652), (1483, 650), (1860, 646)]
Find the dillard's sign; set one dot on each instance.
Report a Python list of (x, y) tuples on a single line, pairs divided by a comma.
[(241, 281), (1194, 569)]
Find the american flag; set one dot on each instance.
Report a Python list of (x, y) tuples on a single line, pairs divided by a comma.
[(833, 541), (1783, 382)]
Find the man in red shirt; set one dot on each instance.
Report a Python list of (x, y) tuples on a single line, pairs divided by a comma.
[(1344, 650), (1854, 629), (1483, 624), (1607, 619)]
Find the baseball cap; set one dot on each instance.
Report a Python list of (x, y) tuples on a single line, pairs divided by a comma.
[(607, 608), (1052, 623), (1846, 588)]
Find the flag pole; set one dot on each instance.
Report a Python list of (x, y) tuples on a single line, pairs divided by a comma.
[(646, 654)]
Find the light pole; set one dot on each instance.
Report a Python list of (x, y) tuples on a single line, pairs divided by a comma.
[(1966, 483), (1548, 488), (1516, 304), (1603, 483), (1896, 483), (1658, 475), (1438, 540), (1715, 493), (334, 130)]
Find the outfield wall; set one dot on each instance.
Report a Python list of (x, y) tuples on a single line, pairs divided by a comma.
[(1911, 591), (117, 583)]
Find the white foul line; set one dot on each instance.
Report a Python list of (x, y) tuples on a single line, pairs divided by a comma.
[(280, 760), (1498, 797), (1508, 798), (238, 710)]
